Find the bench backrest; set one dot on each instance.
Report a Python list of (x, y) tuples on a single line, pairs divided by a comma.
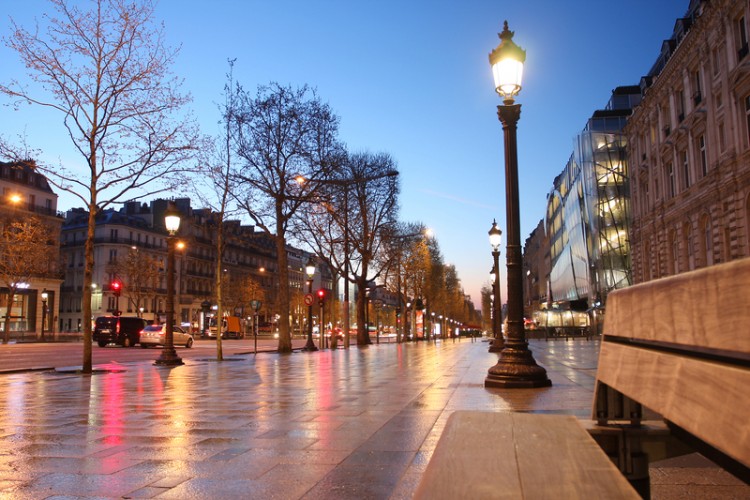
[(681, 347)]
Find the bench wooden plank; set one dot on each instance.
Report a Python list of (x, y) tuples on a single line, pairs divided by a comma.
[(518, 455), (706, 398), (708, 308)]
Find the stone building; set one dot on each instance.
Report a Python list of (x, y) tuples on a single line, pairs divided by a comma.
[(26, 195), (689, 146), (130, 247)]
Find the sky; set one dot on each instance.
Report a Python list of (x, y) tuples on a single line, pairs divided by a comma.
[(410, 78)]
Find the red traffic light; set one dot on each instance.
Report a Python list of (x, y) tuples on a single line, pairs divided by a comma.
[(116, 287), (321, 295)]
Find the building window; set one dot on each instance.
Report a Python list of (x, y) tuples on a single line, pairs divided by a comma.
[(715, 60), (741, 38), (687, 247), (685, 169), (722, 138), (706, 242), (747, 115), (675, 255), (680, 96), (670, 181), (702, 153), (113, 235), (112, 255), (698, 90)]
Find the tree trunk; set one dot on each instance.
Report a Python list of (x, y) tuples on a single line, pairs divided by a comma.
[(219, 275), (87, 280), (285, 339)]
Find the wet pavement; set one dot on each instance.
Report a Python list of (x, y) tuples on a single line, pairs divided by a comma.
[(359, 423)]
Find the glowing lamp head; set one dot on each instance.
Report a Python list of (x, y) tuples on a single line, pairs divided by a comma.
[(172, 218), (495, 236), (507, 65), (310, 268)]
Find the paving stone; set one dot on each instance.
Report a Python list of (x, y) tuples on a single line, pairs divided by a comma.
[(356, 424)]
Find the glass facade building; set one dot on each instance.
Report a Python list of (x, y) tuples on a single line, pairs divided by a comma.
[(588, 211)]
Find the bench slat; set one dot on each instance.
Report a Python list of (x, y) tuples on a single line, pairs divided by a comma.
[(708, 308), (706, 398), (518, 455)]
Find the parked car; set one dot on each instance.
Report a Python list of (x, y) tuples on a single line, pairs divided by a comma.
[(121, 330), (154, 335)]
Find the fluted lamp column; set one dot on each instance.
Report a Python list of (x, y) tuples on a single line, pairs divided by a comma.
[(310, 270), (497, 307), (516, 367), (168, 355)]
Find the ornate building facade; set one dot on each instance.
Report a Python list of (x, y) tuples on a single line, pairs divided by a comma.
[(689, 146), (130, 247), (27, 196)]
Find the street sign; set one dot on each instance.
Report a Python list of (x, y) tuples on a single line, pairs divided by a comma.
[(308, 299)]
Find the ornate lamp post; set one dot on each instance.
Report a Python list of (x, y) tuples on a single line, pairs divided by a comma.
[(310, 270), (516, 366), (206, 308), (45, 296), (497, 307), (169, 356)]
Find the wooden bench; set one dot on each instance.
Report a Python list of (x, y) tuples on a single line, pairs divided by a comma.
[(483, 455), (678, 346)]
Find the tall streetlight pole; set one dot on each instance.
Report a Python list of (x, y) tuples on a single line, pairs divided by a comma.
[(516, 366), (497, 307), (310, 270), (169, 356), (45, 296)]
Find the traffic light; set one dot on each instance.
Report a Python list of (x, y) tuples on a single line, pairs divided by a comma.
[(321, 296), (116, 287)]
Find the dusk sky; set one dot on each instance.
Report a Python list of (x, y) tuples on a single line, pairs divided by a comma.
[(410, 78)]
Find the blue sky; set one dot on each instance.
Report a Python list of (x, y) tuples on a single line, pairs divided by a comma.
[(410, 78)]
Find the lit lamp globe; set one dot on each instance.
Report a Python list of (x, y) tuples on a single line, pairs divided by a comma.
[(310, 268), (172, 219), (507, 65), (496, 236)]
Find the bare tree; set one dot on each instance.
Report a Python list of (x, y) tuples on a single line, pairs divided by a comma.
[(213, 186), (26, 251), (283, 134), (372, 212), (399, 243), (140, 274), (105, 70)]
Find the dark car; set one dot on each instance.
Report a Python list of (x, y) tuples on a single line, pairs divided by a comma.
[(121, 330)]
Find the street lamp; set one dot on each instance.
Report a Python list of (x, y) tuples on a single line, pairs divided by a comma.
[(497, 307), (206, 308), (169, 356), (45, 296), (516, 366), (310, 270)]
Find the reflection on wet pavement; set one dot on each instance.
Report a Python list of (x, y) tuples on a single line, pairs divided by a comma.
[(361, 423)]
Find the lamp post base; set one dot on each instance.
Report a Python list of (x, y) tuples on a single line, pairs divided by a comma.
[(496, 345), (169, 358), (516, 368), (310, 346)]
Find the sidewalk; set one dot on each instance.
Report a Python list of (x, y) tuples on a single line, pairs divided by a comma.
[(361, 423)]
